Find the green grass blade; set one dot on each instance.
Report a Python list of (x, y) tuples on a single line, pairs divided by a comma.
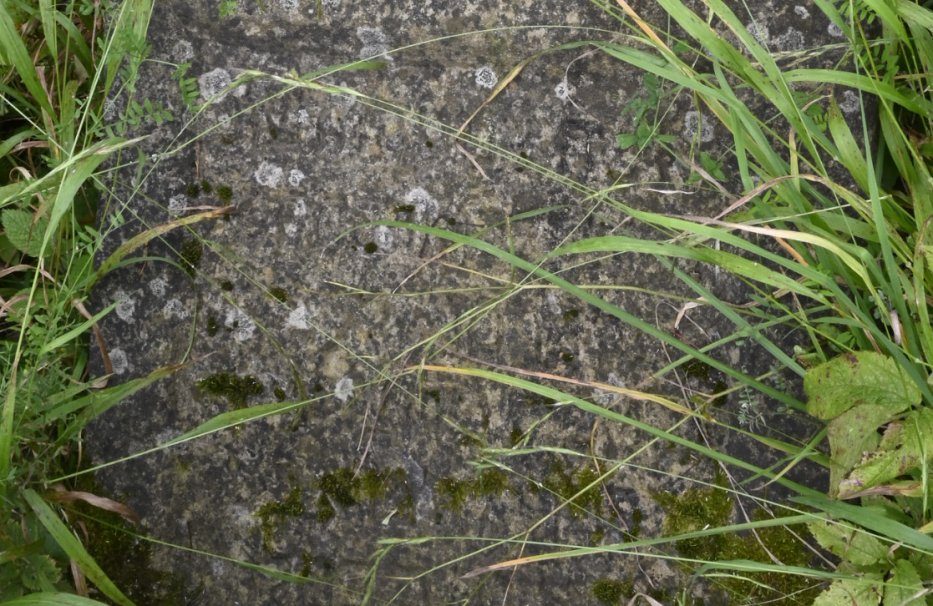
[(52, 599), (15, 52), (233, 418), (872, 519), (611, 415), (597, 302), (49, 29), (97, 402), (729, 262), (73, 548), (77, 331)]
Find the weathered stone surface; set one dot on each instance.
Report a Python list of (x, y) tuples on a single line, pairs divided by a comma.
[(294, 290)]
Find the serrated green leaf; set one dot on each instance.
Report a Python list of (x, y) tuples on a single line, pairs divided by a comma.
[(855, 379), (626, 140), (905, 582), (851, 592), (20, 230), (848, 543), (40, 572), (852, 434)]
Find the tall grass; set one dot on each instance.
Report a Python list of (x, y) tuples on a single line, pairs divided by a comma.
[(59, 62)]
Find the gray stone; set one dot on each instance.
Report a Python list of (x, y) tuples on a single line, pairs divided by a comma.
[(294, 289)]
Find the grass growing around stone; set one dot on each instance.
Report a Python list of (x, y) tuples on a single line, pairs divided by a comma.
[(830, 240)]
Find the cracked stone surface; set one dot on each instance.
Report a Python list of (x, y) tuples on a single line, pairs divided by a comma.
[(298, 289)]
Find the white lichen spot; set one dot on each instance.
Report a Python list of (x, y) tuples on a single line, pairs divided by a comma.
[(791, 40), (299, 318), (374, 41), (110, 109), (269, 175), (291, 230), (802, 12), (383, 238), (850, 102), (118, 361), (302, 117), (344, 389), (694, 123), (485, 77), (157, 286), (213, 82), (759, 31), (175, 309), (241, 325), (126, 306), (182, 51), (426, 207), (301, 209), (564, 90), (835, 31), (289, 5), (177, 205), (295, 177)]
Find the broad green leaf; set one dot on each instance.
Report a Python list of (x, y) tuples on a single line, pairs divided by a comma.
[(73, 547), (847, 543), (852, 434), (851, 592), (902, 449), (25, 235), (904, 583), (854, 379), (51, 599)]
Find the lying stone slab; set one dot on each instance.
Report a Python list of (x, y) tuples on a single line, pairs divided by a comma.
[(392, 478)]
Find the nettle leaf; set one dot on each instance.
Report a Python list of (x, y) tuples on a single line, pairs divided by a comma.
[(40, 572), (851, 592), (904, 583), (22, 233), (852, 434), (854, 379), (847, 543), (901, 450)]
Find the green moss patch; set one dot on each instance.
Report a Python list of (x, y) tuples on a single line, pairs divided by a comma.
[(455, 492), (272, 514), (235, 389)]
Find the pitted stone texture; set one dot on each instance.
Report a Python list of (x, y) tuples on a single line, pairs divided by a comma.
[(364, 306)]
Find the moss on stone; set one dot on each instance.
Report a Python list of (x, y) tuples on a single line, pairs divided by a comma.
[(698, 508), (279, 394), (456, 491), (611, 592), (279, 294), (343, 488), (566, 484), (325, 509), (212, 326), (189, 255), (233, 388), (370, 248), (272, 514), (224, 194)]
